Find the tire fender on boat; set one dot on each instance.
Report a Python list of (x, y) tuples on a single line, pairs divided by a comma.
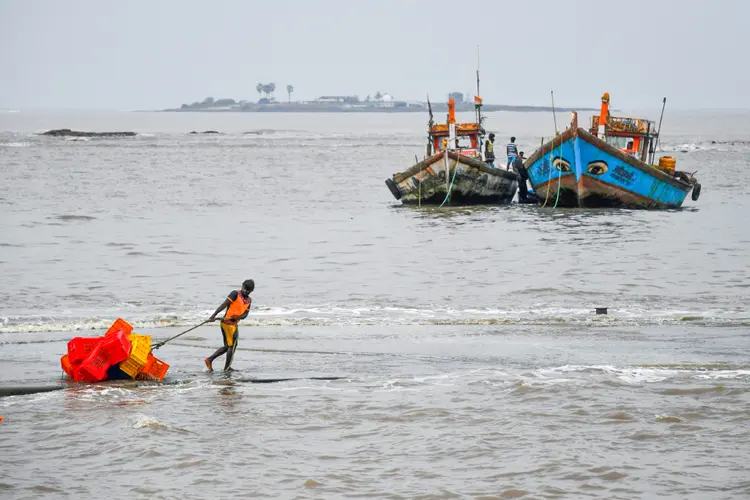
[(393, 188), (696, 191)]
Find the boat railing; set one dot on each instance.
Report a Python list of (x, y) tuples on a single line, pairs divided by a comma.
[(624, 125), (461, 129)]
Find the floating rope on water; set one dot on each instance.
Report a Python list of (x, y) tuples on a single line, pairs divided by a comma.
[(559, 173)]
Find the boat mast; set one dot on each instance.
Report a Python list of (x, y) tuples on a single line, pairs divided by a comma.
[(451, 141), (478, 115), (554, 115), (658, 132), (478, 104), (429, 128)]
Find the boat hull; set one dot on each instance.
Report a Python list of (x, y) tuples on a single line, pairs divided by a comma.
[(469, 182), (577, 169)]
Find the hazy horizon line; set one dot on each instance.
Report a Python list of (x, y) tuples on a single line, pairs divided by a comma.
[(565, 108)]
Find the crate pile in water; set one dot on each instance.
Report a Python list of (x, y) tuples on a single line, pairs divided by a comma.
[(119, 354)]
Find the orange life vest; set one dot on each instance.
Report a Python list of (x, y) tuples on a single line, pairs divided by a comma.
[(236, 308)]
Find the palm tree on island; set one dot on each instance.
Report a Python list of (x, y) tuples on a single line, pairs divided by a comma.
[(269, 89), (289, 90), (259, 89)]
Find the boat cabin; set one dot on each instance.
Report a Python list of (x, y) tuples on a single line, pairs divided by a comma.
[(633, 136), (464, 138)]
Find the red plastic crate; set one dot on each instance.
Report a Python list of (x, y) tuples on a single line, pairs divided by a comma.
[(149, 361), (67, 366), (80, 348), (116, 347), (94, 368), (155, 368), (120, 325)]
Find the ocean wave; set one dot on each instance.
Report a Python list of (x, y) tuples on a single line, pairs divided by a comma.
[(551, 379), (14, 144), (145, 421), (387, 316), (657, 373)]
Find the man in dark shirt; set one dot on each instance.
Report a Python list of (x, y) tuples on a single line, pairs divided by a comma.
[(519, 169)]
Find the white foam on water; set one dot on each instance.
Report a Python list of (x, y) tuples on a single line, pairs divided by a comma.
[(628, 375), (723, 374), (333, 315), (145, 421), (637, 375)]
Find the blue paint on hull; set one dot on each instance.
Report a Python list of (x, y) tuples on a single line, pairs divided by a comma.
[(549, 169)]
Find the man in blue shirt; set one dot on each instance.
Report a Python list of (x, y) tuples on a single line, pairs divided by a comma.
[(512, 150)]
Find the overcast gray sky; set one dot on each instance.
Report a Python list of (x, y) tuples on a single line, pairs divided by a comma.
[(138, 54)]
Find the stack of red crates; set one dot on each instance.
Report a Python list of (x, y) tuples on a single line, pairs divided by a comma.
[(89, 358)]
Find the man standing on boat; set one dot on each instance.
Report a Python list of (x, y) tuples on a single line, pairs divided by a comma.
[(489, 151), (512, 150), (237, 305)]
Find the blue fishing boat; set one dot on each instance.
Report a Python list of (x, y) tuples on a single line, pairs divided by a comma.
[(609, 165)]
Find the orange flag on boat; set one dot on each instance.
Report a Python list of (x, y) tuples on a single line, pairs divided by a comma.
[(477, 100)]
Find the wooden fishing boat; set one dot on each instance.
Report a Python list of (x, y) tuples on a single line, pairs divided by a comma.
[(610, 165), (453, 171)]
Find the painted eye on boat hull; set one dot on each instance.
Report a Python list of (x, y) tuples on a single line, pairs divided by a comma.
[(561, 164), (597, 167)]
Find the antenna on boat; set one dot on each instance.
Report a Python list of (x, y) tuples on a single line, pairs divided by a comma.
[(429, 109), (478, 99), (429, 127), (658, 132), (477, 70), (554, 115)]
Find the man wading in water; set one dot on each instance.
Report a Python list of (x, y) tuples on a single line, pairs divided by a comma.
[(237, 305)]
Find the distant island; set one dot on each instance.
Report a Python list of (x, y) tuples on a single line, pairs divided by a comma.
[(377, 103), (66, 132)]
